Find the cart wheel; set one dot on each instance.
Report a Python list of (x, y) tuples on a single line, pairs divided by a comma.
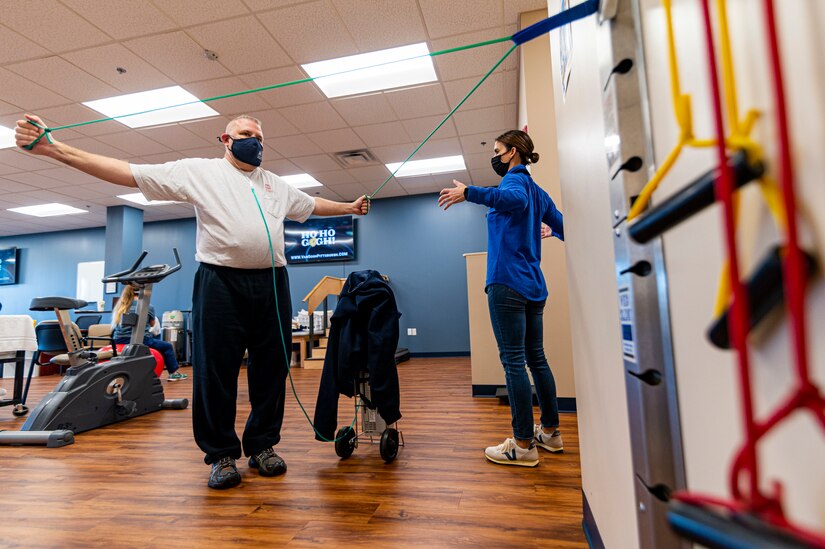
[(20, 410), (389, 445), (345, 442)]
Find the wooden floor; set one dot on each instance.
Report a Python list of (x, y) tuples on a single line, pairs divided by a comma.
[(142, 483)]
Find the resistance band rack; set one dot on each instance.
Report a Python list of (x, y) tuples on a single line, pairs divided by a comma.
[(650, 382)]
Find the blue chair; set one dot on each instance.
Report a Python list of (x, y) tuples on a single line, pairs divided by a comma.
[(49, 340)]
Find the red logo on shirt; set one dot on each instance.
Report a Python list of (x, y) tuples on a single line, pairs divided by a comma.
[(268, 187)]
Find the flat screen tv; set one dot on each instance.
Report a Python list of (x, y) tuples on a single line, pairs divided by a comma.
[(319, 239), (8, 265)]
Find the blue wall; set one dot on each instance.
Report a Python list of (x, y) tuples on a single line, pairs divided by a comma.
[(409, 239)]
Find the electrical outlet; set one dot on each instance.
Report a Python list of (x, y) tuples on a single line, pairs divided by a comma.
[(411, 331)]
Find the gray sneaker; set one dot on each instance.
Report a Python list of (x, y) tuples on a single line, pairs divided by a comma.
[(551, 443), (268, 463), (224, 474)]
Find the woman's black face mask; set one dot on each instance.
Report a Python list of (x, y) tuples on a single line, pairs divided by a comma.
[(500, 167)]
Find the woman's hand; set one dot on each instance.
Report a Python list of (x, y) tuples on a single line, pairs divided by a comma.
[(451, 195), (546, 231)]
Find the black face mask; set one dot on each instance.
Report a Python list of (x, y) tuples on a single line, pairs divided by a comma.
[(248, 150), (499, 167)]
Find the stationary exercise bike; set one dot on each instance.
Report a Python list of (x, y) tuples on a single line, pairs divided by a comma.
[(93, 394)]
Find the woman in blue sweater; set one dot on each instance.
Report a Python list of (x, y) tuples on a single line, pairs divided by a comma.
[(516, 292)]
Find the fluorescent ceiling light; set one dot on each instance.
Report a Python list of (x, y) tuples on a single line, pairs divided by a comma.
[(6, 138), (302, 181), (138, 198), (387, 75), (48, 210), (149, 100), (429, 166)]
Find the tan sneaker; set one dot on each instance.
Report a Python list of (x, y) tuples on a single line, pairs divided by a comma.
[(551, 443), (509, 453)]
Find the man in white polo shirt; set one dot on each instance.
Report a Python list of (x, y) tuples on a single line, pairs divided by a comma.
[(234, 300)]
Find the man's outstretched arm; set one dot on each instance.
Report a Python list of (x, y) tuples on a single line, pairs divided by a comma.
[(105, 168)]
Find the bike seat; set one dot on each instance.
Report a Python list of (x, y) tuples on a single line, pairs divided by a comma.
[(62, 303)]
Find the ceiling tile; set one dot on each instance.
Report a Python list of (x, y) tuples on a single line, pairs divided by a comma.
[(314, 117), (414, 183), (295, 145), (489, 94), (69, 176), (26, 94), (472, 143), (419, 128), (394, 153), (75, 114), (444, 180), (103, 62), (26, 161), (483, 120), (474, 62), (17, 47), (337, 140), (135, 144), (243, 45), (196, 12), (163, 158), (462, 16), (124, 18), (296, 94), (419, 101), (175, 137), (350, 191), (365, 109), (178, 56), (334, 178), (371, 176), (281, 167), (324, 192), (215, 151), (58, 28), (314, 163), (8, 108), (5, 169), (263, 5), (207, 128), (34, 179), (298, 29), (391, 189), (383, 134), (81, 192), (223, 86), (95, 146), (378, 24), (55, 73), (436, 148), (10, 186), (274, 125)]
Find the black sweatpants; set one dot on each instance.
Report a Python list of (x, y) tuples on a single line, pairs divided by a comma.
[(234, 310)]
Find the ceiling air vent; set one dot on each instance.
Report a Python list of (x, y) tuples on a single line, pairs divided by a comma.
[(355, 159)]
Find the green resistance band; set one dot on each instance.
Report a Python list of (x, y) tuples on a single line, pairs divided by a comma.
[(287, 358), (47, 130)]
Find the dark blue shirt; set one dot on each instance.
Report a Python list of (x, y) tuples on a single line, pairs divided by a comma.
[(518, 207)]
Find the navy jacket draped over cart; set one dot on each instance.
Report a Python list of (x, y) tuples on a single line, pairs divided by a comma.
[(363, 338)]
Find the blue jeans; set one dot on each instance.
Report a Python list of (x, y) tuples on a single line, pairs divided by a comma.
[(166, 350), (519, 330)]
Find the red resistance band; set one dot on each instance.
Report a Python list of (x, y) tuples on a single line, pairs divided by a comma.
[(806, 395)]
